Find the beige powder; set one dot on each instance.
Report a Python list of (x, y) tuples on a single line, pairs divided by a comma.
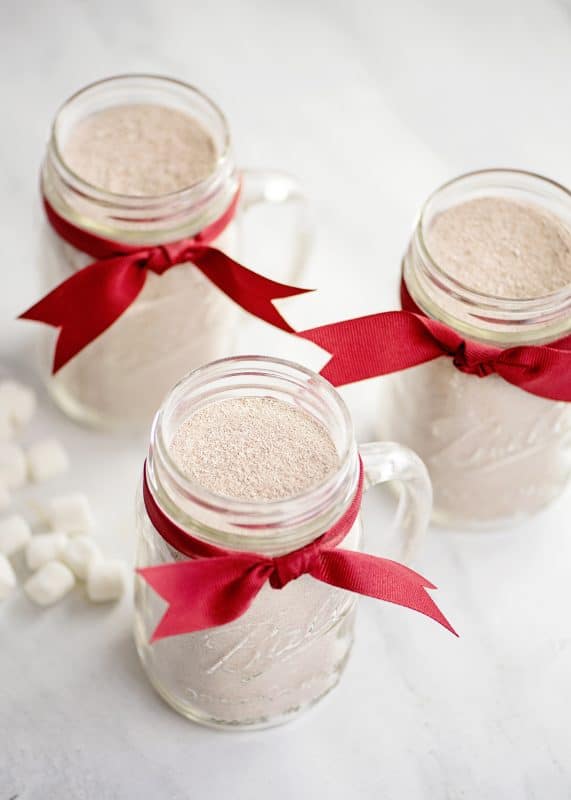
[(502, 248), (254, 448), (140, 150)]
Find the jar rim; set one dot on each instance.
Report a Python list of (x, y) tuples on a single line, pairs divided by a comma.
[(252, 524), (118, 198), (470, 292), (480, 314)]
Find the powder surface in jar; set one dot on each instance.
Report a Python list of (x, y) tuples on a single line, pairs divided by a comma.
[(501, 247), (254, 448), (140, 150)]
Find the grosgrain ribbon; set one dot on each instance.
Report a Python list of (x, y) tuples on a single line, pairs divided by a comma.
[(379, 344), (88, 302), (217, 586)]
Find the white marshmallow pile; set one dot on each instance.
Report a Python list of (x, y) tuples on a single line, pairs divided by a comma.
[(66, 553), (58, 557), (42, 461)]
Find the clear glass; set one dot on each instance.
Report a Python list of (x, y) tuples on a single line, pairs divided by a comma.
[(291, 646), (495, 453), (180, 320)]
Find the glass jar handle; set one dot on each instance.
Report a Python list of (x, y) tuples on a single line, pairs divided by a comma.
[(261, 187), (388, 461)]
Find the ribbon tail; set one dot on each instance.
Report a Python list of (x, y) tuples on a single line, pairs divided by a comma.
[(87, 303), (205, 593), (380, 578), (251, 291), (366, 347)]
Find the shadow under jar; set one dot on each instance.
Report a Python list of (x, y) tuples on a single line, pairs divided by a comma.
[(180, 319), (495, 453), (290, 647)]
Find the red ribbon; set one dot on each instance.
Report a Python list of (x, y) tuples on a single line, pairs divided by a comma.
[(217, 586), (366, 347), (88, 302)]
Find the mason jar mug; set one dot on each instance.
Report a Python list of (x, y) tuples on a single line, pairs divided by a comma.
[(180, 318), (290, 647), (495, 452)]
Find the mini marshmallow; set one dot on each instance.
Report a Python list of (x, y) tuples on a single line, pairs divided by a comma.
[(17, 402), (106, 580), (15, 533), (7, 577), (5, 499), (44, 547), (80, 553), (13, 465), (70, 513), (46, 459), (50, 583)]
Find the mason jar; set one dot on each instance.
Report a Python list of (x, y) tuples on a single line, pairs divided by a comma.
[(290, 647), (495, 453), (180, 319)]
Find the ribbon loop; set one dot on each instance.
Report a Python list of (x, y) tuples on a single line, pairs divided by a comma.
[(471, 363), (160, 259), (290, 567)]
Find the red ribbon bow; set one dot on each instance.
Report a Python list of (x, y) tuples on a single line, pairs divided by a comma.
[(217, 586), (88, 302), (379, 344)]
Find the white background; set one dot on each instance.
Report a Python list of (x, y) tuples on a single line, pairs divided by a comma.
[(371, 104)]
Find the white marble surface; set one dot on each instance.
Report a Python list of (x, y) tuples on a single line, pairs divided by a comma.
[(371, 104)]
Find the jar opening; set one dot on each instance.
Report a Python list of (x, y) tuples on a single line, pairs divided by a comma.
[(482, 316), (195, 205), (253, 524)]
